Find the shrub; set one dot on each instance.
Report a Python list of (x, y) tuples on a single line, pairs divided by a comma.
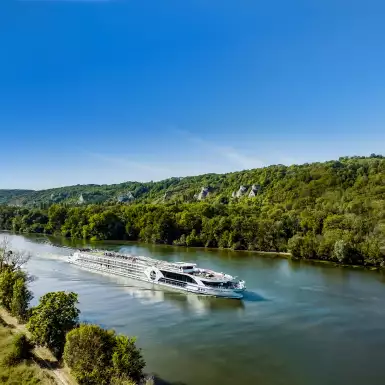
[(99, 357), (21, 350), (49, 322)]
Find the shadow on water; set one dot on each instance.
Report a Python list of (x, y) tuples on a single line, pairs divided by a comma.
[(160, 381)]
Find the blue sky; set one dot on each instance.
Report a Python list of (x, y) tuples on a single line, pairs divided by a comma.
[(110, 91)]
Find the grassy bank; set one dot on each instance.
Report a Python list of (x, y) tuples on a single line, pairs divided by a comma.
[(25, 373), (42, 368)]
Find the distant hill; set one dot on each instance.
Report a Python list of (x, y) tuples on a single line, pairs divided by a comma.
[(12, 196), (274, 183)]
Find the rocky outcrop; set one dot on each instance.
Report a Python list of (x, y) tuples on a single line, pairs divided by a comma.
[(254, 190), (242, 191), (128, 197), (203, 193), (81, 199), (167, 195)]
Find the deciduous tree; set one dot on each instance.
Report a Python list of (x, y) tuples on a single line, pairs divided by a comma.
[(55, 316)]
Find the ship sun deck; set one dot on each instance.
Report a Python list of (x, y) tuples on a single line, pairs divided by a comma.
[(180, 267)]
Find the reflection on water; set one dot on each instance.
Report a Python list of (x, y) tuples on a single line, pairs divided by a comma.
[(298, 323)]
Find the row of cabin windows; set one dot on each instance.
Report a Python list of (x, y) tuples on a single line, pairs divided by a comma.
[(172, 282), (178, 277)]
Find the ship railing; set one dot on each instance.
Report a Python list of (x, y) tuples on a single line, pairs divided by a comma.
[(172, 282), (151, 262)]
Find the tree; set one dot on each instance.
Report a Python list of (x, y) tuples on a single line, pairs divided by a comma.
[(295, 246), (12, 259), (14, 294), (7, 279), (55, 316), (88, 352), (21, 297), (344, 252), (127, 359), (123, 380), (98, 357), (57, 215), (105, 225)]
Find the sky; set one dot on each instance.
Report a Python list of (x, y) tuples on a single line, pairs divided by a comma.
[(104, 91)]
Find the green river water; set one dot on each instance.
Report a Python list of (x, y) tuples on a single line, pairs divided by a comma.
[(299, 323)]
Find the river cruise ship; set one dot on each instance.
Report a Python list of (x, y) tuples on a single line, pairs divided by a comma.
[(176, 275)]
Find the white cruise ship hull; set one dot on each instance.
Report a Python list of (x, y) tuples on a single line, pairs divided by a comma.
[(143, 274)]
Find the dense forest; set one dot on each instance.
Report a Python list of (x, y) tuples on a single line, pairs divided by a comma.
[(329, 211)]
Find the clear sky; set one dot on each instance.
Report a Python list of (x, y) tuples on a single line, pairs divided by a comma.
[(110, 91)]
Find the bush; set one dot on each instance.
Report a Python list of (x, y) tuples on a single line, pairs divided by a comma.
[(99, 357), (49, 322), (14, 293), (21, 298), (122, 380), (88, 352), (127, 359)]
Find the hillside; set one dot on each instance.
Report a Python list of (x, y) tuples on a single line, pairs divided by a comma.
[(333, 211), (276, 183), (13, 196)]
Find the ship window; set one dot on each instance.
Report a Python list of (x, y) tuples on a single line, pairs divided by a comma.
[(224, 285), (178, 277)]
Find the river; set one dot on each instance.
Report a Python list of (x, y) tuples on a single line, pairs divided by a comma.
[(299, 323)]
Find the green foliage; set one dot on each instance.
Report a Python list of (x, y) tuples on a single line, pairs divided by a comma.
[(21, 297), (7, 280), (127, 359), (88, 354), (13, 195), (99, 357), (23, 373), (122, 380), (306, 209), (14, 294), (49, 322), (21, 350)]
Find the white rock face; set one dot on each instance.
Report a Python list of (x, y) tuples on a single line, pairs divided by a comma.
[(126, 197), (203, 193), (242, 191), (81, 200), (254, 190)]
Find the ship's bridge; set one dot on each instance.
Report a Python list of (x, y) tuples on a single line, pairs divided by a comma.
[(186, 267)]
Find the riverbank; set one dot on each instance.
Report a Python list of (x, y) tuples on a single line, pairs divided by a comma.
[(345, 233), (77, 242), (42, 369)]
